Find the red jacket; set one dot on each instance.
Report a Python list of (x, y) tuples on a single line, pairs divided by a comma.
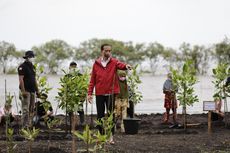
[(104, 79)]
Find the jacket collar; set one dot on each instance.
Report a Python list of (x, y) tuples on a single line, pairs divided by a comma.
[(98, 61)]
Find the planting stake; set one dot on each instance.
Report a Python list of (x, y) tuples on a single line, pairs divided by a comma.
[(16, 102), (209, 122)]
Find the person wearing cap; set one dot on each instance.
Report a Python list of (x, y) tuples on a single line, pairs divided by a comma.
[(43, 110), (28, 87), (105, 81), (73, 72), (121, 102), (170, 101)]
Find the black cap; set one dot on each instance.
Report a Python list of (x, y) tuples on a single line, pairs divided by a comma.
[(29, 54), (43, 96), (73, 64)]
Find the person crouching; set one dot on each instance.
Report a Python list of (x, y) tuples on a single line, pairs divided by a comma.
[(43, 110)]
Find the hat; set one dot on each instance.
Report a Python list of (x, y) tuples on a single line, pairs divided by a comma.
[(73, 64), (43, 96), (28, 54)]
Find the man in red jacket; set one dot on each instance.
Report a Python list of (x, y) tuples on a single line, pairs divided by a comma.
[(105, 81)]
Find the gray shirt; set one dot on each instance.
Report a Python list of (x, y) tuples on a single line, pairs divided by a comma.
[(167, 85)]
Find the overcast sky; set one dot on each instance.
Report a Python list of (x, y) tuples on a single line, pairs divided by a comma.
[(170, 22)]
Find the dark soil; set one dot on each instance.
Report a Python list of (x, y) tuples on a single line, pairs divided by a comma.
[(153, 136)]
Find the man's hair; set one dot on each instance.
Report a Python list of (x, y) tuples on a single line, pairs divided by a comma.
[(103, 45)]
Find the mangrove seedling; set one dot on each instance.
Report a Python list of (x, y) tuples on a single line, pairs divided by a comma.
[(10, 144), (87, 136), (135, 96), (220, 73), (29, 135), (184, 81)]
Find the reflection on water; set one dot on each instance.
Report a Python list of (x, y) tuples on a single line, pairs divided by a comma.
[(151, 87)]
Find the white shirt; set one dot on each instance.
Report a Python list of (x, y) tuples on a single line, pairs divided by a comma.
[(104, 62)]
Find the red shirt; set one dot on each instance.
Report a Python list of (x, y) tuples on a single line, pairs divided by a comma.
[(104, 79)]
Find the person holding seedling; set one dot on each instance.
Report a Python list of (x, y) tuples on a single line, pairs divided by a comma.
[(73, 72), (170, 101), (121, 102), (105, 81), (43, 110), (28, 87)]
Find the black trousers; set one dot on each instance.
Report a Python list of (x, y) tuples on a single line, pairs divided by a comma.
[(103, 102)]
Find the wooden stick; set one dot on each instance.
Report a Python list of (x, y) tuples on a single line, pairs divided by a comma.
[(209, 122)]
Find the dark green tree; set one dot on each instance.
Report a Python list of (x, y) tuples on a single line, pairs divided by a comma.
[(152, 53), (222, 51), (7, 52), (171, 57), (198, 54), (52, 54)]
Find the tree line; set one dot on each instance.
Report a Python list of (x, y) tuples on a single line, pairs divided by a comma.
[(53, 53)]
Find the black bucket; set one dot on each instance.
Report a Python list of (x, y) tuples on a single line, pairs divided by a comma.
[(131, 125)]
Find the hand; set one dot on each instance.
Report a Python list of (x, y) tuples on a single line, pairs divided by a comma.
[(90, 99), (128, 67), (38, 94), (24, 94)]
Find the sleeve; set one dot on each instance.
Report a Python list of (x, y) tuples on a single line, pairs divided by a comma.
[(164, 86), (121, 65), (21, 70), (92, 81)]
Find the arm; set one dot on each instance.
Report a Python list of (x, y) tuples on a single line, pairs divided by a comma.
[(22, 87), (91, 84), (122, 66), (21, 74), (21, 83), (36, 88)]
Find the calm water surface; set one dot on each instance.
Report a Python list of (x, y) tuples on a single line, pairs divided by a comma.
[(151, 88)]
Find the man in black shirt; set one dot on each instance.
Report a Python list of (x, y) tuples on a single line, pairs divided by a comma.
[(28, 87)]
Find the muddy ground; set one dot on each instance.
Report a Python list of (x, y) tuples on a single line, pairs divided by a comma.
[(152, 137)]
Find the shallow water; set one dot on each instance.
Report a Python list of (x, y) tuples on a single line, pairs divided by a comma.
[(151, 87)]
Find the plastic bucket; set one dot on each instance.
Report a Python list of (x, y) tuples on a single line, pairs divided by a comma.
[(131, 125)]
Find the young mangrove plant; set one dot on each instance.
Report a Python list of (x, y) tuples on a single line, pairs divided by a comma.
[(9, 132), (107, 125), (135, 96), (88, 137), (29, 135), (184, 79), (91, 137), (50, 124), (43, 85), (10, 143), (220, 73), (72, 94)]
